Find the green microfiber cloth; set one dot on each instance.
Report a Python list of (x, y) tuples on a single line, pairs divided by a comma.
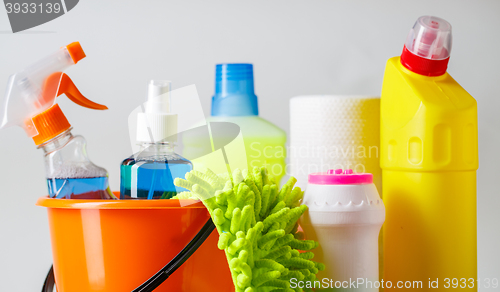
[(257, 225)]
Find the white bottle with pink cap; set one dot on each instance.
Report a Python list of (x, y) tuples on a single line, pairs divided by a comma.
[(345, 215)]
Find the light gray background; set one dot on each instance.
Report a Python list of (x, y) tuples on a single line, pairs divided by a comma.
[(297, 47)]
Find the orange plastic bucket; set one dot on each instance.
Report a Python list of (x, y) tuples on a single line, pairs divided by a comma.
[(116, 245)]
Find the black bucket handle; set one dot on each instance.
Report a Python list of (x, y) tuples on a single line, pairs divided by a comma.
[(163, 274)]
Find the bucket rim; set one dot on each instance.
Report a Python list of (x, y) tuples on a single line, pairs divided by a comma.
[(47, 202)]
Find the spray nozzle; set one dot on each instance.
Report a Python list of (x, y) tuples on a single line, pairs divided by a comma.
[(157, 123), (158, 97), (29, 101)]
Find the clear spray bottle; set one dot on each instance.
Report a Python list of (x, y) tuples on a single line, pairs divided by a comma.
[(150, 173), (30, 103)]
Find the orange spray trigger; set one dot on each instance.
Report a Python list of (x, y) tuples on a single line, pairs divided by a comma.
[(67, 87)]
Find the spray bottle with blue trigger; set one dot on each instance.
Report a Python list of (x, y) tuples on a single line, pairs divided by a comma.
[(29, 102)]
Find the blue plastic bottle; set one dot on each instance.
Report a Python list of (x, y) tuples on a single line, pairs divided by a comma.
[(150, 173)]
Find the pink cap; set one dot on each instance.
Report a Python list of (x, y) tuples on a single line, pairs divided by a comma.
[(340, 177)]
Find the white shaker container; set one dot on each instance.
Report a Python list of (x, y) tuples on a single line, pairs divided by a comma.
[(345, 215)]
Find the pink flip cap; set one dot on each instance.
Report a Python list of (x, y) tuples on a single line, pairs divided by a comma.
[(340, 177)]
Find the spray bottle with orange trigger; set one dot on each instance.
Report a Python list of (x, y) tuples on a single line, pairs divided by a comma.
[(29, 102)]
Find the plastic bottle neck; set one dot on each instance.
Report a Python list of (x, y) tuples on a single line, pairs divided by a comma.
[(57, 143), (158, 148)]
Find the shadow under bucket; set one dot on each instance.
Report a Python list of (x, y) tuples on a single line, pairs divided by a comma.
[(116, 245)]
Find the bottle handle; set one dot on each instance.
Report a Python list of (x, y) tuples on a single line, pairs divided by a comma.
[(50, 282)]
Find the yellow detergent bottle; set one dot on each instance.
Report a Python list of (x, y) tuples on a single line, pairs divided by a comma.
[(429, 159)]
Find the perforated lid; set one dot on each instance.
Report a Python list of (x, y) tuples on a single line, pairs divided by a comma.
[(157, 123)]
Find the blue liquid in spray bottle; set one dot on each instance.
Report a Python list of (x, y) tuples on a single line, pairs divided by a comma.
[(70, 173), (150, 174)]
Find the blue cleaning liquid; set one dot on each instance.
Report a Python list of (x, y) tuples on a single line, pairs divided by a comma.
[(78, 188), (152, 179)]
